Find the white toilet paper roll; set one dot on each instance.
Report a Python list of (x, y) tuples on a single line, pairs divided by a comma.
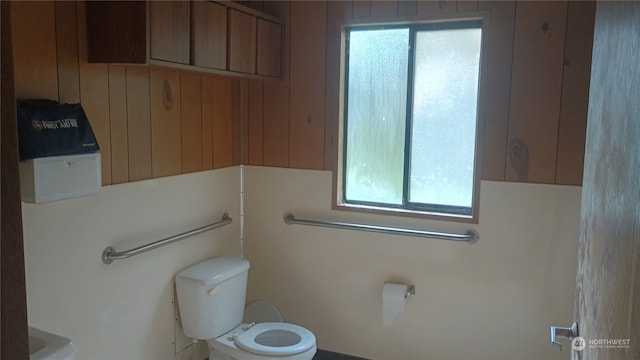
[(393, 301)]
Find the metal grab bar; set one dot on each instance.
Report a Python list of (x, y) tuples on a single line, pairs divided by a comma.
[(109, 253), (471, 236)]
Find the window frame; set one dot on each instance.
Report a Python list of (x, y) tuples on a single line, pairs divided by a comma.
[(409, 209)]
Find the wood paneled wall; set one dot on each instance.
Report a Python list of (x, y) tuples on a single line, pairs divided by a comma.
[(153, 122), (536, 67), (150, 122)]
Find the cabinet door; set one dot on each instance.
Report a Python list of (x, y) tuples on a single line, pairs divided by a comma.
[(209, 35), (116, 31), (170, 30), (269, 48), (242, 42)]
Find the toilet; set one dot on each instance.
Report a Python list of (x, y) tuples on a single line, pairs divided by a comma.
[(211, 299)]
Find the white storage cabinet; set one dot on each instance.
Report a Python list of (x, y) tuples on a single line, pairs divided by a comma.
[(60, 177)]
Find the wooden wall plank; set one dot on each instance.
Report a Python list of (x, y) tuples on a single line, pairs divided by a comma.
[(258, 5), (191, 116), (308, 55), (496, 83), (67, 52), (237, 106), (94, 90), (436, 7), (35, 67), (243, 123), (536, 84), (407, 7), (240, 125), (336, 10), (94, 96), (166, 148), (361, 9), (191, 119), (207, 123), (467, 6), (139, 123), (384, 8), (276, 98), (575, 92), (256, 96), (221, 103), (118, 123)]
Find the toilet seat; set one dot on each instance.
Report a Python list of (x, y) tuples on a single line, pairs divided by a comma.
[(276, 339)]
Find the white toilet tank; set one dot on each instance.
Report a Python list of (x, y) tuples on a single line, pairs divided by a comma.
[(211, 296)]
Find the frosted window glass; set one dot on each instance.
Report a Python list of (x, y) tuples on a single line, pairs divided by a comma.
[(376, 115), (443, 135)]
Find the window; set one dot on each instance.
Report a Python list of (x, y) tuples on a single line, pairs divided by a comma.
[(409, 117)]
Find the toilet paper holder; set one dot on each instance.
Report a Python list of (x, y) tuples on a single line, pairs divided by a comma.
[(411, 290)]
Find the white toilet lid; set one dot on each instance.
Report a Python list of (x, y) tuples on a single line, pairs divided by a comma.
[(276, 338)]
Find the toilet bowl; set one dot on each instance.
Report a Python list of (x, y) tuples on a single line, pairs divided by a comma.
[(211, 298), (264, 341)]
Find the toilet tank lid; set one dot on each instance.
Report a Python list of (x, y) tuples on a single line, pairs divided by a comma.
[(214, 271)]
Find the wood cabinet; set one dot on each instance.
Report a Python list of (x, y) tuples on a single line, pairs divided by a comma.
[(116, 32), (170, 31), (242, 42), (223, 38), (209, 35)]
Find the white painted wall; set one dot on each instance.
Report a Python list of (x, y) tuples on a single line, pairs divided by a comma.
[(123, 310), (492, 300)]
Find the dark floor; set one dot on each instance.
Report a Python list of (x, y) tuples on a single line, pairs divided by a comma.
[(328, 355)]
